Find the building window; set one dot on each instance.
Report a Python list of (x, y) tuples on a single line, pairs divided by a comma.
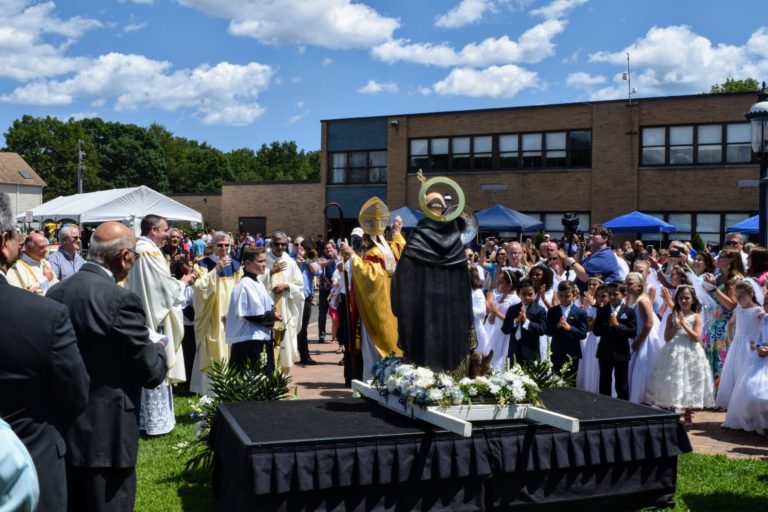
[(482, 152), (358, 167), (509, 153), (461, 155), (555, 149), (506, 151), (692, 145), (531, 150), (739, 145), (709, 226)]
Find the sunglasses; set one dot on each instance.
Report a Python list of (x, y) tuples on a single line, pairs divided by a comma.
[(732, 242), (280, 244), (222, 245)]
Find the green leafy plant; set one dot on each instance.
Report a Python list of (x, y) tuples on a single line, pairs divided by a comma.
[(232, 383), (544, 375)]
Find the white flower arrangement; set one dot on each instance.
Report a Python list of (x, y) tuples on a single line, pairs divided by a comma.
[(421, 386)]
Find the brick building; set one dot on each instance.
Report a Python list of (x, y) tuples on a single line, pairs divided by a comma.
[(685, 159)]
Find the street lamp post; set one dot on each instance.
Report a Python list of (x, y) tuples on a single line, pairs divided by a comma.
[(758, 117)]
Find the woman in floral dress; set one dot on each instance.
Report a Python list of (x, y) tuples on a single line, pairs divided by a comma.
[(715, 336)]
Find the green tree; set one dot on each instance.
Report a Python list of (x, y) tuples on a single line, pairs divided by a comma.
[(733, 85)]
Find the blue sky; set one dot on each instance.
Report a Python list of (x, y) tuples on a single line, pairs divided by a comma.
[(239, 73)]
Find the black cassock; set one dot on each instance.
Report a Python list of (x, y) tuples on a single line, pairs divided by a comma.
[(432, 296)]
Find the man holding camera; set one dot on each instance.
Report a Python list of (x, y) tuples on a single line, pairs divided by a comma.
[(601, 262)]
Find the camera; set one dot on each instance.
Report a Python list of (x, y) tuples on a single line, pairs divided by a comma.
[(674, 253), (570, 223)]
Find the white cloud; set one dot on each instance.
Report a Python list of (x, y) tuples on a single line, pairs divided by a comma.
[(676, 60), (572, 58), (25, 54), (493, 82), (581, 79), (133, 27), (222, 94), (558, 9), (327, 23), (144, 2), (295, 118), (533, 46), (326, 61), (374, 87), (467, 12)]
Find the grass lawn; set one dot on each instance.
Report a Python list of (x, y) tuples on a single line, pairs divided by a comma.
[(705, 483)]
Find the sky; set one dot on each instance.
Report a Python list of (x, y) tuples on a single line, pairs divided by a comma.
[(242, 73)]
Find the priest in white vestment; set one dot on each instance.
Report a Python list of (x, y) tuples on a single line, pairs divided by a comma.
[(163, 298), (32, 272), (284, 281)]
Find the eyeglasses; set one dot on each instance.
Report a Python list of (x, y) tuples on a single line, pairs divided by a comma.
[(553, 259), (133, 251), (280, 244), (222, 245), (732, 242)]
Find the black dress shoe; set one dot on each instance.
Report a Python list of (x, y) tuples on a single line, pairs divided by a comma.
[(308, 361)]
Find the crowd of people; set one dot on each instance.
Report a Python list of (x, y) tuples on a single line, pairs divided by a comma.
[(674, 328), (116, 332)]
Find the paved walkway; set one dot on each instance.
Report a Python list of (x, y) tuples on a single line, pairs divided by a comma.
[(326, 380)]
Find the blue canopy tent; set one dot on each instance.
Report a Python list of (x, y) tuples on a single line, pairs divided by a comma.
[(637, 222), (410, 216), (750, 226), (501, 218)]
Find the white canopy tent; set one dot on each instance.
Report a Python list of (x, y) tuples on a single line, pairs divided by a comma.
[(127, 205)]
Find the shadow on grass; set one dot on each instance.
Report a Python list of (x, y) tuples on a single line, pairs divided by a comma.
[(720, 501), (194, 489)]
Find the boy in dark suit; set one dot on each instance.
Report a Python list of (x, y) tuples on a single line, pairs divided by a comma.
[(525, 322), (616, 324), (567, 325)]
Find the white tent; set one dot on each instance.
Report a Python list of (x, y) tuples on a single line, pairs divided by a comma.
[(127, 205)]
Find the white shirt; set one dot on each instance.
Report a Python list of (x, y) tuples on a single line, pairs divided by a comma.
[(249, 298)]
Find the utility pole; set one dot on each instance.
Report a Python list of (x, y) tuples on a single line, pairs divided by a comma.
[(80, 155)]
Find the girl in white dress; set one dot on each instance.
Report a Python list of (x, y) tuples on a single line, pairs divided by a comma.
[(748, 408), (588, 375), (478, 308), (646, 343), (497, 303), (743, 325), (681, 378)]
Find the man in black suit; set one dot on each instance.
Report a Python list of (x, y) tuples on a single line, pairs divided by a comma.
[(114, 341), (43, 381), (615, 323), (525, 322), (567, 325)]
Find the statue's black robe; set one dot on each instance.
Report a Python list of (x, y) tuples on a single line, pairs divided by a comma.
[(432, 296)]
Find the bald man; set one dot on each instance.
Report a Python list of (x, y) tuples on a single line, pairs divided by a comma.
[(32, 272), (113, 339)]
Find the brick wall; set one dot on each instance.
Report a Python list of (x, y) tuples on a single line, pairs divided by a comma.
[(293, 207), (209, 205)]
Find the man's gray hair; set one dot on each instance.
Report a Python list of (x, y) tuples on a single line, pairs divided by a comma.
[(735, 234), (106, 251), (174, 230), (66, 232), (218, 235), (279, 234), (7, 220)]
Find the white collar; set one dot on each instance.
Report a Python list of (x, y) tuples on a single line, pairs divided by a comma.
[(2, 273), (148, 240), (30, 261), (213, 257)]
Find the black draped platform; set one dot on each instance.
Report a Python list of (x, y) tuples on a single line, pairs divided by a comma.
[(352, 454)]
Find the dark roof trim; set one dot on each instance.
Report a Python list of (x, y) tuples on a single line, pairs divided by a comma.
[(550, 105), (277, 182)]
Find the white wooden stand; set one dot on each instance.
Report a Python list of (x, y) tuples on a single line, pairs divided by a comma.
[(458, 419)]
